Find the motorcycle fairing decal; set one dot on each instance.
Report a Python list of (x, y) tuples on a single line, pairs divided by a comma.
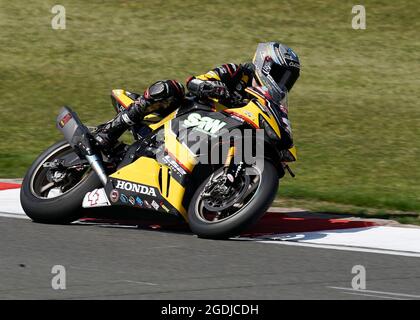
[(250, 113), (135, 187), (205, 124), (96, 198), (146, 171), (259, 95), (136, 200), (181, 152), (243, 117), (178, 172)]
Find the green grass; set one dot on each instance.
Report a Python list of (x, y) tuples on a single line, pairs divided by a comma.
[(355, 111)]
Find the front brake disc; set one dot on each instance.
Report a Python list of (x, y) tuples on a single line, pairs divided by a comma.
[(217, 203)]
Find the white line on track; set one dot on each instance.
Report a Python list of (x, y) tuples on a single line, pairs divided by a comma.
[(139, 282), (395, 294), (344, 248), (373, 295)]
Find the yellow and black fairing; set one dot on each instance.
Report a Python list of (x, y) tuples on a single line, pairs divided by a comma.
[(161, 174), (260, 113), (143, 169)]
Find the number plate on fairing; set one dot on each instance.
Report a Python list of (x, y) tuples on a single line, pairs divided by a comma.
[(96, 198)]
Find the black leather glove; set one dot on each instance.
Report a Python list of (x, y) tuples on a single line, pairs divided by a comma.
[(208, 89), (214, 89)]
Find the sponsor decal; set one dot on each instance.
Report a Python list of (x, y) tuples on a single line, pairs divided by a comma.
[(114, 195), (249, 114), (155, 205), (139, 202), (65, 119), (164, 207), (147, 204), (173, 165), (205, 124), (96, 198), (132, 200), (237, 118), (135, 187), (123, 198), (93, 198)]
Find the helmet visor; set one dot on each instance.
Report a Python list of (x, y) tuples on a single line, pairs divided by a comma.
[(283, 77)]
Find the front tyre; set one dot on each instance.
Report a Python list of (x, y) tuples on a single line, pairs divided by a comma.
[(218, 212), (55, 195)]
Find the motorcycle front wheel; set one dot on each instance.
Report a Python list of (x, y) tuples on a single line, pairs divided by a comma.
[(218, 212), (55, 196)]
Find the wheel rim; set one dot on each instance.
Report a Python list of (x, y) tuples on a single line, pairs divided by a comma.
[(41, 187), (211, 217)]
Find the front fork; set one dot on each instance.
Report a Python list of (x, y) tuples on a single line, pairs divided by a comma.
[(230, 169)]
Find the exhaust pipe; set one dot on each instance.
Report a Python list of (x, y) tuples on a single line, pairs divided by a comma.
[(76, 133), (96, 165)]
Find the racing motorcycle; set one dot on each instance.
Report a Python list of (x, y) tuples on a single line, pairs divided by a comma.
[(160, 169)]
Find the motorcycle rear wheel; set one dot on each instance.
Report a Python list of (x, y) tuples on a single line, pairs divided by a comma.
[(43, 205)]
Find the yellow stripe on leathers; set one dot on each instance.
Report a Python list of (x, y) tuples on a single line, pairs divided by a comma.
[(211, 75), (146, 171)]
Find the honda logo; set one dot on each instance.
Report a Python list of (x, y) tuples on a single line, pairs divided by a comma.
[(137, 188)]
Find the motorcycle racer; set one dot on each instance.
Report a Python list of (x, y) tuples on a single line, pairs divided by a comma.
[(275, 67)]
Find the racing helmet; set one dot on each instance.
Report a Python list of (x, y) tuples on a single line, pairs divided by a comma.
[(277, 67)]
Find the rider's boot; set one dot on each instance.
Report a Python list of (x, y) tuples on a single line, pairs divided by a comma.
[(108, 133), (159, 97)]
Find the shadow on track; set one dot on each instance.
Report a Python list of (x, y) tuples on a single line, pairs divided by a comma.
[(271, 224)]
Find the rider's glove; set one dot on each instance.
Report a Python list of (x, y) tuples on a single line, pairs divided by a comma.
[(208, 89), (213, 89)]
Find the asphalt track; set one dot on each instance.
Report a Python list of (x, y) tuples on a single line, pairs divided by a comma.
[(105, 262)]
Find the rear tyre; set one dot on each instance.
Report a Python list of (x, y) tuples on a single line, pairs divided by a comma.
[(229, 225), (43, 205)]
